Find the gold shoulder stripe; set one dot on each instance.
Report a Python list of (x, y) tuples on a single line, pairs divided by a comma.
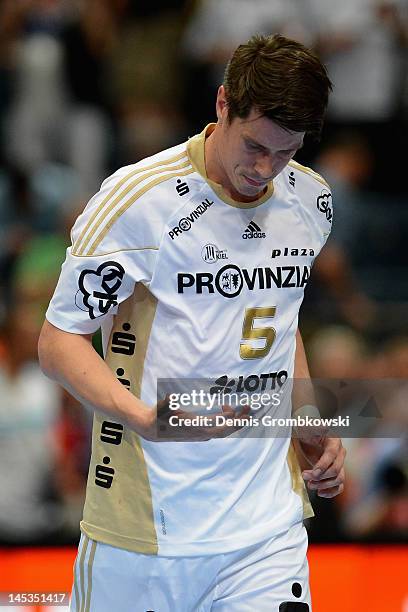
[(130, 201), (309, 171), (146, 248), (164, 162), (121, 196)]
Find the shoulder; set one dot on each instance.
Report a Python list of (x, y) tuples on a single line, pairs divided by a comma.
[(313, 193), (134, 203), (307, 175)]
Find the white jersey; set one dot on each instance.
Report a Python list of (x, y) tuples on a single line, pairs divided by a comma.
[(187, 283)]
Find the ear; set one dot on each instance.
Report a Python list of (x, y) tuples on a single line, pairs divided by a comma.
[(221, 104)]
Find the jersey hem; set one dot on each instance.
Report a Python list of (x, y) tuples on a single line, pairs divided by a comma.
[(118, 541), (189, 549)]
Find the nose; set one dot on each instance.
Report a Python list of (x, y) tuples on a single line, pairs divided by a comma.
[(264, 167)]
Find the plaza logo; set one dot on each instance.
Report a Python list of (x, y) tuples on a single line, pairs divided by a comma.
[(185, 223), (230, 280), (211, 253), (98, 289), (253, 382), (288, 252), (324, 204), (253, 231)]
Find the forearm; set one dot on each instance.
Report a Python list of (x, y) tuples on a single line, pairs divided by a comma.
[(303, 401), (303, 393), (71, 360)]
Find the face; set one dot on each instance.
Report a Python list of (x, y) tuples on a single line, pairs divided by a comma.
[(249, 153)]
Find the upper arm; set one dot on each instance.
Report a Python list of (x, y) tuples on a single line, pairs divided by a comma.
[(114, 246), (53, 340)]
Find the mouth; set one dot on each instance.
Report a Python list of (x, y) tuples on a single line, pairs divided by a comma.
[(259, 184)]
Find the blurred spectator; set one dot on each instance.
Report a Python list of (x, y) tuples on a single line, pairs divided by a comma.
[(42, 202), (375, 503), (60, 103), (336, 352), (215, 28), (16, 221), (87, 43), (363, 43), (147, 80), (346, 163), (36, 117), (36, 270), (45, 433), (29, 410)]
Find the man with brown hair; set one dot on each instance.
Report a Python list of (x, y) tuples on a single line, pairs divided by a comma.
[(194, 264)]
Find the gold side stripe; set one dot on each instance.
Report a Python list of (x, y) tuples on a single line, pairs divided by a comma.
[(90, 564), (110, 195), (82, 573), (307, 170), (76, 592), (129, 203), (120, 197)]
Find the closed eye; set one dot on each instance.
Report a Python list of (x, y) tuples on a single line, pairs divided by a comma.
[(253, 147)]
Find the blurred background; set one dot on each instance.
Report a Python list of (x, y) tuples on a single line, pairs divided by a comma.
[(87, 86)]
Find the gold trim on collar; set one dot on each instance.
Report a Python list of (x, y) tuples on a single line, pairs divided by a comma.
[(196, 153)]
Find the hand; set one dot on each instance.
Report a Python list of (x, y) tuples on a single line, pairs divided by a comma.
[(327, 474), (157, 428)]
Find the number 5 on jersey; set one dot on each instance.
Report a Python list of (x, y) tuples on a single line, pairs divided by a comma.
[(250, 333)]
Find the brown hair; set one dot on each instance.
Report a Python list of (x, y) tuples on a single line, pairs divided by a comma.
[(280, 78)]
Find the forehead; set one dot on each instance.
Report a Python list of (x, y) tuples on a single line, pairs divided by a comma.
[(267, 133)]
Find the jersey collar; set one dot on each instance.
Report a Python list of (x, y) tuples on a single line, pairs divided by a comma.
[(196, 153)]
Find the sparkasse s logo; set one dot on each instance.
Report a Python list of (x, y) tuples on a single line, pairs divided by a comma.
[(253, 231)]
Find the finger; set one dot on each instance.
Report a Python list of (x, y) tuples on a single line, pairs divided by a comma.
[(223, 431), (337, 467), (245, 410), (325, 484), (331, 451), (332, 472), (328, 493), (163, 406)]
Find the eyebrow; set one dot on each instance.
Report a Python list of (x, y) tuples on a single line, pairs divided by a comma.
[(250, 141), (254, 143)]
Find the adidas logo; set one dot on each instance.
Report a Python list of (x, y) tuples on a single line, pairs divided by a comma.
[(253, 231)]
